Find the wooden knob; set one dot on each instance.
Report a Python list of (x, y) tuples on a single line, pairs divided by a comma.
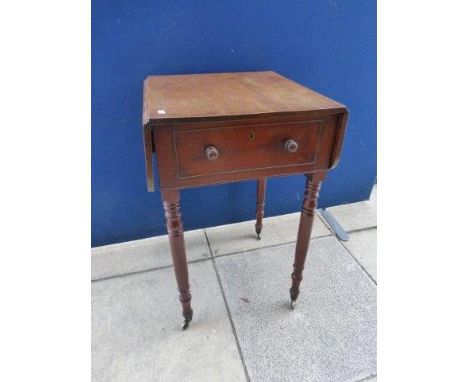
[(211, 153), (291, 145)]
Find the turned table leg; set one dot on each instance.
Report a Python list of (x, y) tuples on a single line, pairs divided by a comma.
[(305, 229), (175, 229), (261, 189)]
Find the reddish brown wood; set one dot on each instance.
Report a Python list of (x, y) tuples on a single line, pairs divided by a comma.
[(219, 95), (339, 138), (149, 149), (175, 230), (236, 146), (306, 222), (260, 212), (227, 127), (182, 162)]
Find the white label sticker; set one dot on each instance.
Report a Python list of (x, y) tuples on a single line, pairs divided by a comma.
[(161, 111)]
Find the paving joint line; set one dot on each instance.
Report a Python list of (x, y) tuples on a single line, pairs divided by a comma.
[(324, 221), (203, 259), (347, 250), (241, 355), (237, 253), (362, 229), (212, 258), (146, 270), (367, 378), (267, 246), (357, 261)]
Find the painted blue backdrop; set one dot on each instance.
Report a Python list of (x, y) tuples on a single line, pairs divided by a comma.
[(327, 45)]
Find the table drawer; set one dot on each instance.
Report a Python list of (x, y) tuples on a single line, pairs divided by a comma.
[(221, 150)]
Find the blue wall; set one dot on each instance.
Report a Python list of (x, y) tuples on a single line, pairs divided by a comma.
[(327, 45)]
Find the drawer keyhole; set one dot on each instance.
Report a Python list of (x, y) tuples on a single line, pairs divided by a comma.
[(252, 136)]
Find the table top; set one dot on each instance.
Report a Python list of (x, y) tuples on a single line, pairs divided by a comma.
[(215, 96)]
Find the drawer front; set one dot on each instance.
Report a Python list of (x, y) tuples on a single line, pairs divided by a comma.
[(223, 150)]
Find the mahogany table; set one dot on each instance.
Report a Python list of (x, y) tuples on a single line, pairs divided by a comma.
[(216, 128)]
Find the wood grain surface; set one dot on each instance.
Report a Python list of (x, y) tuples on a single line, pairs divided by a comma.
[(192, 96)]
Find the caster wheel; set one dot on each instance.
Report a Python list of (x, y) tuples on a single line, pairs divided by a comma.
[(293, 304), (186, 324)]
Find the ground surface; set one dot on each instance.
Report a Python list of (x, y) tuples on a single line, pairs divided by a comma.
[(243, 328)]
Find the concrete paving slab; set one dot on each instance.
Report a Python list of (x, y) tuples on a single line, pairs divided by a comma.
[(140, 255), (137, 336), (363, 246), (286, 226), (356, 216), (331, 334), (241, 237)]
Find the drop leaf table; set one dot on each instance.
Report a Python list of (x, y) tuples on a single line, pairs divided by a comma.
[(225, 127)]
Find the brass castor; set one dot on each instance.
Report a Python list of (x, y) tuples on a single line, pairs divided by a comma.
[(186, 324)]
